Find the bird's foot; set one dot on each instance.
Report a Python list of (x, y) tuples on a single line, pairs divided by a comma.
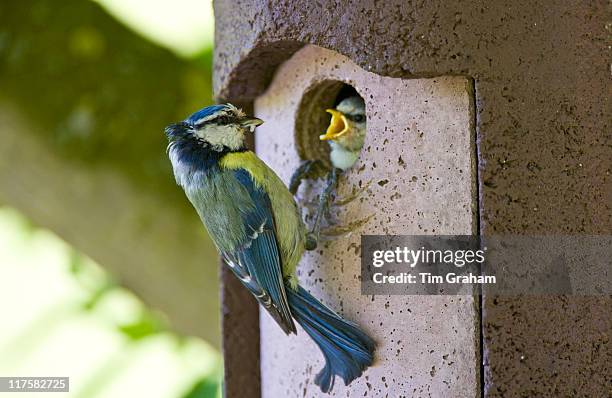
[(322, 210), (311, 242), (339, 202), (308, 169), (337, 231)]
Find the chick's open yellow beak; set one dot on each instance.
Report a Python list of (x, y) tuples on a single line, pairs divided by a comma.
[(337, 127)]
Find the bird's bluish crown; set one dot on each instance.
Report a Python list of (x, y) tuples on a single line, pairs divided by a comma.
[(225, 112)]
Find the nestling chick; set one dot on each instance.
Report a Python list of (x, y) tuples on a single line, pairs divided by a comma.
[(346, 132), (255, 223), (346, 135)]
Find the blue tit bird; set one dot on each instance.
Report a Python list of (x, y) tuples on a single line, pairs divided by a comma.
[(346, 135), (257, 228)]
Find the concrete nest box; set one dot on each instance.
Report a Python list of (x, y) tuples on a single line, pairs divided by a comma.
[(418, 172), (446, 88)]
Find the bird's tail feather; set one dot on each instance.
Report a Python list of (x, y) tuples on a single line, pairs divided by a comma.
[(347, 350)]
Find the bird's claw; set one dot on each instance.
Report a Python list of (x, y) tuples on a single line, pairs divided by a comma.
[(341, 230), (307, 169), (311, 242), (323, 211), (338, 202)]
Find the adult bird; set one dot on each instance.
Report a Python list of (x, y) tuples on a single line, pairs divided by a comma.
[(256, 225), (346, 135)]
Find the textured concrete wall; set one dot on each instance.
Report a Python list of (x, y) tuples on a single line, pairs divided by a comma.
[(418, 157)]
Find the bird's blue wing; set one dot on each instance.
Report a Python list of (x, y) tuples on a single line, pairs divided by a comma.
[(257, 261)]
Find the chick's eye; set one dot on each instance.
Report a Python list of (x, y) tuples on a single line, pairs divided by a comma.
[(359, 118)]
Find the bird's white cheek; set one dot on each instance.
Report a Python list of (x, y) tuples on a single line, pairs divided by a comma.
[(229, 136)]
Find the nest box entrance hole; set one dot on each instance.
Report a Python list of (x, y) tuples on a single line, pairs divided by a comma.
[(312, 120)]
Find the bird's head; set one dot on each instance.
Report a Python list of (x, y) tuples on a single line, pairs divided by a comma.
[(347, 127), (219, 127)]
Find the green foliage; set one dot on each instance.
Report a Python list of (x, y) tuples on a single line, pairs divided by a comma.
[(207, 387), (147, 325)]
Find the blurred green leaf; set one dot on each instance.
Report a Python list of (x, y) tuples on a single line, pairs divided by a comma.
[(207, 387), (98, 295), (147, 325)]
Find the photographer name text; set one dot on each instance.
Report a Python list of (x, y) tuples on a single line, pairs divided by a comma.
[(453, 259)]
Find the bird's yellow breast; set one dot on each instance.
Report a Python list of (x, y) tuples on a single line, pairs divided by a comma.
[(290, 230)]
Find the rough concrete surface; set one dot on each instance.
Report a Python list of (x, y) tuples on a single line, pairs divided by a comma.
[(418, 159)]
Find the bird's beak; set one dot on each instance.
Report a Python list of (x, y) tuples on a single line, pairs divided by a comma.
[(251, 123), (337, 127)]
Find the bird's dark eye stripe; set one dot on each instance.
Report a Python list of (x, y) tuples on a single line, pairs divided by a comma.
[(221, 120)]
